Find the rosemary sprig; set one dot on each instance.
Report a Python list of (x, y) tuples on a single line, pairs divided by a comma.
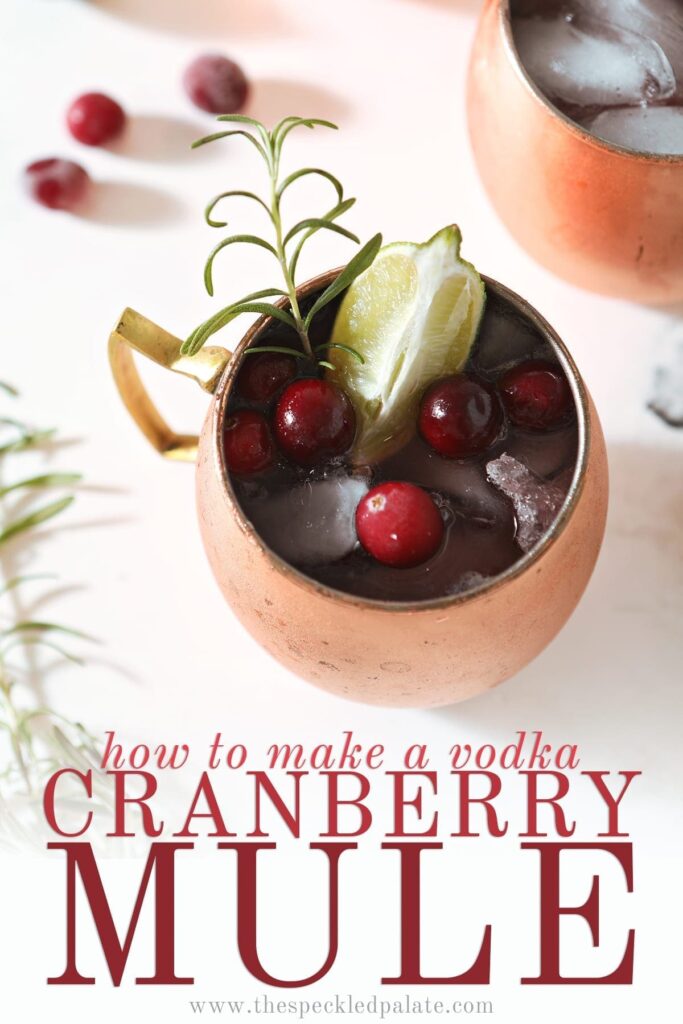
[(286, 245), (39, 739)]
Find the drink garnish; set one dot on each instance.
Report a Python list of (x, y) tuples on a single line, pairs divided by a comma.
[(286, 244), (412, 316)]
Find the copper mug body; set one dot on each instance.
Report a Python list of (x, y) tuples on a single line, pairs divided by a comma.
[(413, 655), (602, 217)]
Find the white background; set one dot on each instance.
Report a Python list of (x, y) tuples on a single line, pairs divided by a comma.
[(175, 665)]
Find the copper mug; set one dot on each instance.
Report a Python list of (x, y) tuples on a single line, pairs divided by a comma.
[(600, 216), (425, 654)]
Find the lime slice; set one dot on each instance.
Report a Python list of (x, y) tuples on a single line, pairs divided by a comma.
[(413, 316)]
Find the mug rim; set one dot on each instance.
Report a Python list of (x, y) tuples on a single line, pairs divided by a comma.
[(644, 156), (521, 566)]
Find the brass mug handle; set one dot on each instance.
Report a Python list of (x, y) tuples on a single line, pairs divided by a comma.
[(135, 332)]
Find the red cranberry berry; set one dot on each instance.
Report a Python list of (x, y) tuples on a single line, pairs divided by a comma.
[(399, 525), (262, 376), (247, 442), (460, 416), (216, 84), (314, 420), (59, 184), (94, 119), (536, 395)]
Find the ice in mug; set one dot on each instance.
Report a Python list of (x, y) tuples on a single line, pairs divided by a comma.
[(615, 67)]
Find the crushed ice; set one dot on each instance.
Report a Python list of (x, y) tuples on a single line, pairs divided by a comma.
[(536, 502)]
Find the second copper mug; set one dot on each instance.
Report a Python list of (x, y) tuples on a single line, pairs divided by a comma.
[(602, 217), (419, 654)]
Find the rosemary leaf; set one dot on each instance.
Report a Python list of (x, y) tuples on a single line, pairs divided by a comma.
[(360, 262), (282, 349), (226, 195), (289, 123), (226, 135), (232, 240), (41, 515), (344, 348), (18, 581), (243, 119), (319, 223), (331, 215), (29, 439), (311, 170), (200, 334), (46, 480), (21, 628), (36, 641)]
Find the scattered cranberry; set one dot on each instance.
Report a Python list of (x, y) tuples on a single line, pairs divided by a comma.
[(247, 442), (399, 525), (262, 376), (460, 416), (59, 184), (94, 119), (314, 420), (536, 395), (216, 84)]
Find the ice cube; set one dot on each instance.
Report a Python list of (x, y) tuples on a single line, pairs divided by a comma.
[(545, 453), (505, 338), (536, 503), (314, 523), (667, 396), (659, 20), (582, 60), (644, 129), (468, 581), (463, 482)]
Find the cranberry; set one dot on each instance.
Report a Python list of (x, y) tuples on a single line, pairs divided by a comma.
[(399, 525), (460, 416), (247, 442), (216, 84), (536, 395), (94, 119), (59, 184), (314, 420), (262, 376)]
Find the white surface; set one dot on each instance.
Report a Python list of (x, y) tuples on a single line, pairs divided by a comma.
[(176, 664)]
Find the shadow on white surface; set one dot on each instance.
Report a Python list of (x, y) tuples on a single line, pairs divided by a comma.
[(161, 139), (123, 204), (275, 98), (674, 310), (198, 17), (613, 675)]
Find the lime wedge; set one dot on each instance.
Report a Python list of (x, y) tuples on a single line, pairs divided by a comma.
[(413, 317)]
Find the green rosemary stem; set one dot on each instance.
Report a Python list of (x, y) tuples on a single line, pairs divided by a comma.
[(282, 257)]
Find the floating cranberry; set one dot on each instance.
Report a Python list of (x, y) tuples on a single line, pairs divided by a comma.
[(216, 84), (262, 376), (536, 395), (460, 416), (94, 119), (247, 442), (314, 420), (399, 525), (59, 184)]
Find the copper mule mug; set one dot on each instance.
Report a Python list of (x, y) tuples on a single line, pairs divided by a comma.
[(602, 217), (421, 654)]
